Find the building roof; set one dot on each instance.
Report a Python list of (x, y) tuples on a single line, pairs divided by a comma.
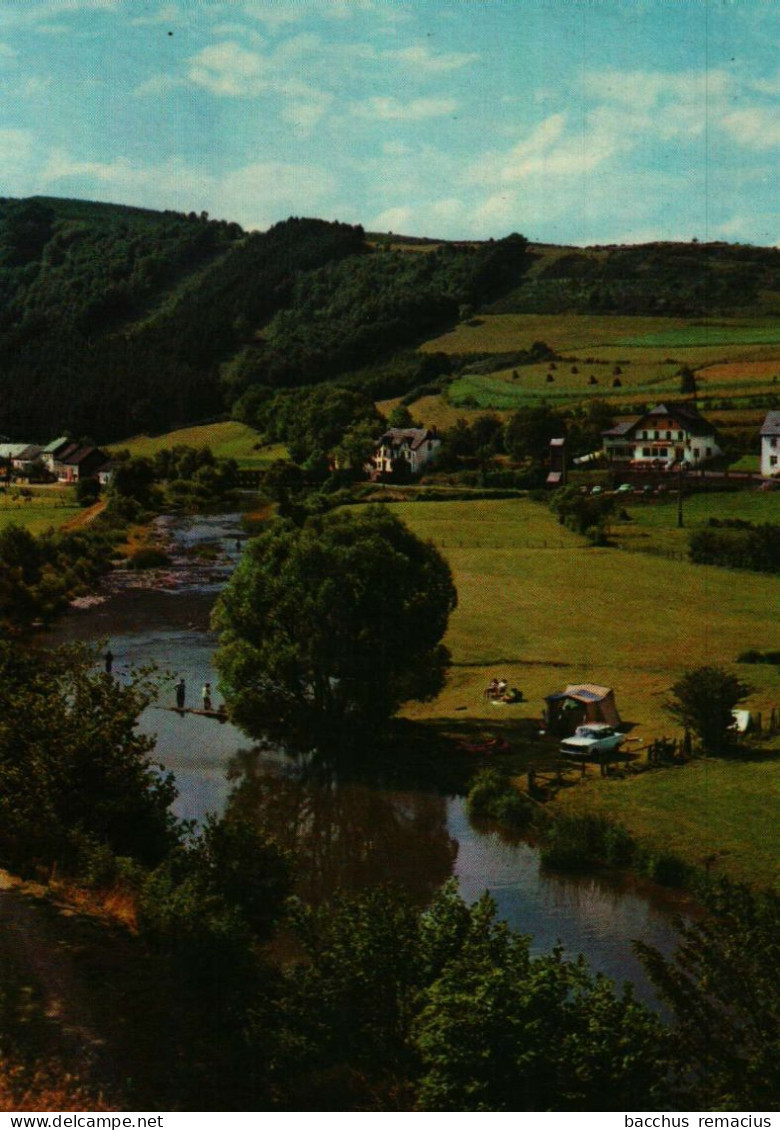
[(686, 415), (771, 424), (31, 452), (80, 454), (12, 450), (55, 445), (413, 437)]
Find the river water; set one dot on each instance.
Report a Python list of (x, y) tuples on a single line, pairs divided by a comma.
[(344, 833)]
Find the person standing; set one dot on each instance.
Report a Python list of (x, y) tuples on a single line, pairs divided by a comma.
[(181, 693), (109, 658), (206, 694)]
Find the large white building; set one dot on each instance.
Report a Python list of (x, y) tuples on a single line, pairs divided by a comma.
[(411, 446), (666, 434), (770, 444)]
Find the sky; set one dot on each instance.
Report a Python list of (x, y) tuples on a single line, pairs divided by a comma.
[(571, 121)]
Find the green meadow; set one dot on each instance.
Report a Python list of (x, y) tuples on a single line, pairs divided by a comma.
[(42, 509), (734, 359), (541, 608), (719, 814), (228, 440)]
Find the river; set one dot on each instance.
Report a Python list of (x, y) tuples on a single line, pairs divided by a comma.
[(345, 833)]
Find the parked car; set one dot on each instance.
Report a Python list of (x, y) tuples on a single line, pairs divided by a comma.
[(624, 488), (591, 740)]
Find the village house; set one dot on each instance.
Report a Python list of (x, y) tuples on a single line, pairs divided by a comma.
[(413, 447), (664, 435), (770, 444), (77, 462), (52, 450)]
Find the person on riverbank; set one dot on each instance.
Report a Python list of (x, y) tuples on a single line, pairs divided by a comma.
[(109, 658), (206, 695), (181, 693)]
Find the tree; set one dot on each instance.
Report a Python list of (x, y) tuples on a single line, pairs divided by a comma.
[(703, 701), (528, 433), (76, 776), (721, 986), (340, 617), (401, 417)]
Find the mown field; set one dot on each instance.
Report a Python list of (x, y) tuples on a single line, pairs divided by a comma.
[(540, 608), (652, 525), (43, 508), (624, 360), (228, 440)]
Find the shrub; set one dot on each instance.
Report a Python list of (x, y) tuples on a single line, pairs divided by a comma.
[(148, 558)]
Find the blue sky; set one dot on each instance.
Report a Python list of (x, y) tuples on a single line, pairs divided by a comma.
[(571, 121)]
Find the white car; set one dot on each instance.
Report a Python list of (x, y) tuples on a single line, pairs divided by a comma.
[(592, 739)]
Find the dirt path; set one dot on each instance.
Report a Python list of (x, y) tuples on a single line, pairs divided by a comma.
[(85, 517), (58, 965)]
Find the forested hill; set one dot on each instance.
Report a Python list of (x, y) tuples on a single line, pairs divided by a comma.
[(115, 320)]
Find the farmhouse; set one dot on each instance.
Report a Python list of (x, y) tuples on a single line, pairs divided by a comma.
[(666, 434), (770, 444), (412, 447), (77, 462), (52, 450)]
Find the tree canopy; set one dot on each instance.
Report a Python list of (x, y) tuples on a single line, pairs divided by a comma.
[(703, 700), (341, 618)]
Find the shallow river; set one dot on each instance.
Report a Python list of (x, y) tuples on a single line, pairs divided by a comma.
[(347, 833)]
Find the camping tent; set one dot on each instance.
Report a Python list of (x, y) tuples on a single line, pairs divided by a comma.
[(581, 702)]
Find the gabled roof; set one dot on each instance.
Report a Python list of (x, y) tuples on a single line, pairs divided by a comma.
[(686, 415), (55, 445), (771, 425), (413, 437), (12, 450), (80, 454)]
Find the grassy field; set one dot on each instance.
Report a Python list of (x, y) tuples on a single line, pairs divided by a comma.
[(735, 360), (228, 440), (46, 507), (541, 609), (725, 809), (576, 333), (653, 524)]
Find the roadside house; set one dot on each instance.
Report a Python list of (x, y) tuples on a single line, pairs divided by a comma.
[(770, 444), (77, 462), (52, 450), (666, 434), (413, 447)]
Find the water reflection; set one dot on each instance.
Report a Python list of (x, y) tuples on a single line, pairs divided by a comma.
[(344, 833)]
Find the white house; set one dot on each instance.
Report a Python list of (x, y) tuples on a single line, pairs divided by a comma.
[(770, 444), (666, 434), (414, 446)]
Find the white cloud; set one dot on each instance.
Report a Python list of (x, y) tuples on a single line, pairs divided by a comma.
[(754, 127), (393, 219), (392, 109), (228, 69), (169, 14), (421, 59), (256, 195)]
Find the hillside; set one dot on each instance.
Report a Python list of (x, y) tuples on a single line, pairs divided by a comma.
[(117, 320)]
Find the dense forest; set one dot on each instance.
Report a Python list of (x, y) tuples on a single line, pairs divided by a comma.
[(115, 320)]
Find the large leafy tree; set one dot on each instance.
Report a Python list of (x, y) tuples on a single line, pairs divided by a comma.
[(703, 701), (340, 618)]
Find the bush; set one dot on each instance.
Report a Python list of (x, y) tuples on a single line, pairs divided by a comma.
[(148, 558), (492, 797)]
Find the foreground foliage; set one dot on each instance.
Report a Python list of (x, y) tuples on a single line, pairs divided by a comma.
[(76, 779)]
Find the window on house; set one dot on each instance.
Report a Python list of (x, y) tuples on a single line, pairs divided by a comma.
[(772, 460), (663, 451), (709, 452), (646, 452)]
